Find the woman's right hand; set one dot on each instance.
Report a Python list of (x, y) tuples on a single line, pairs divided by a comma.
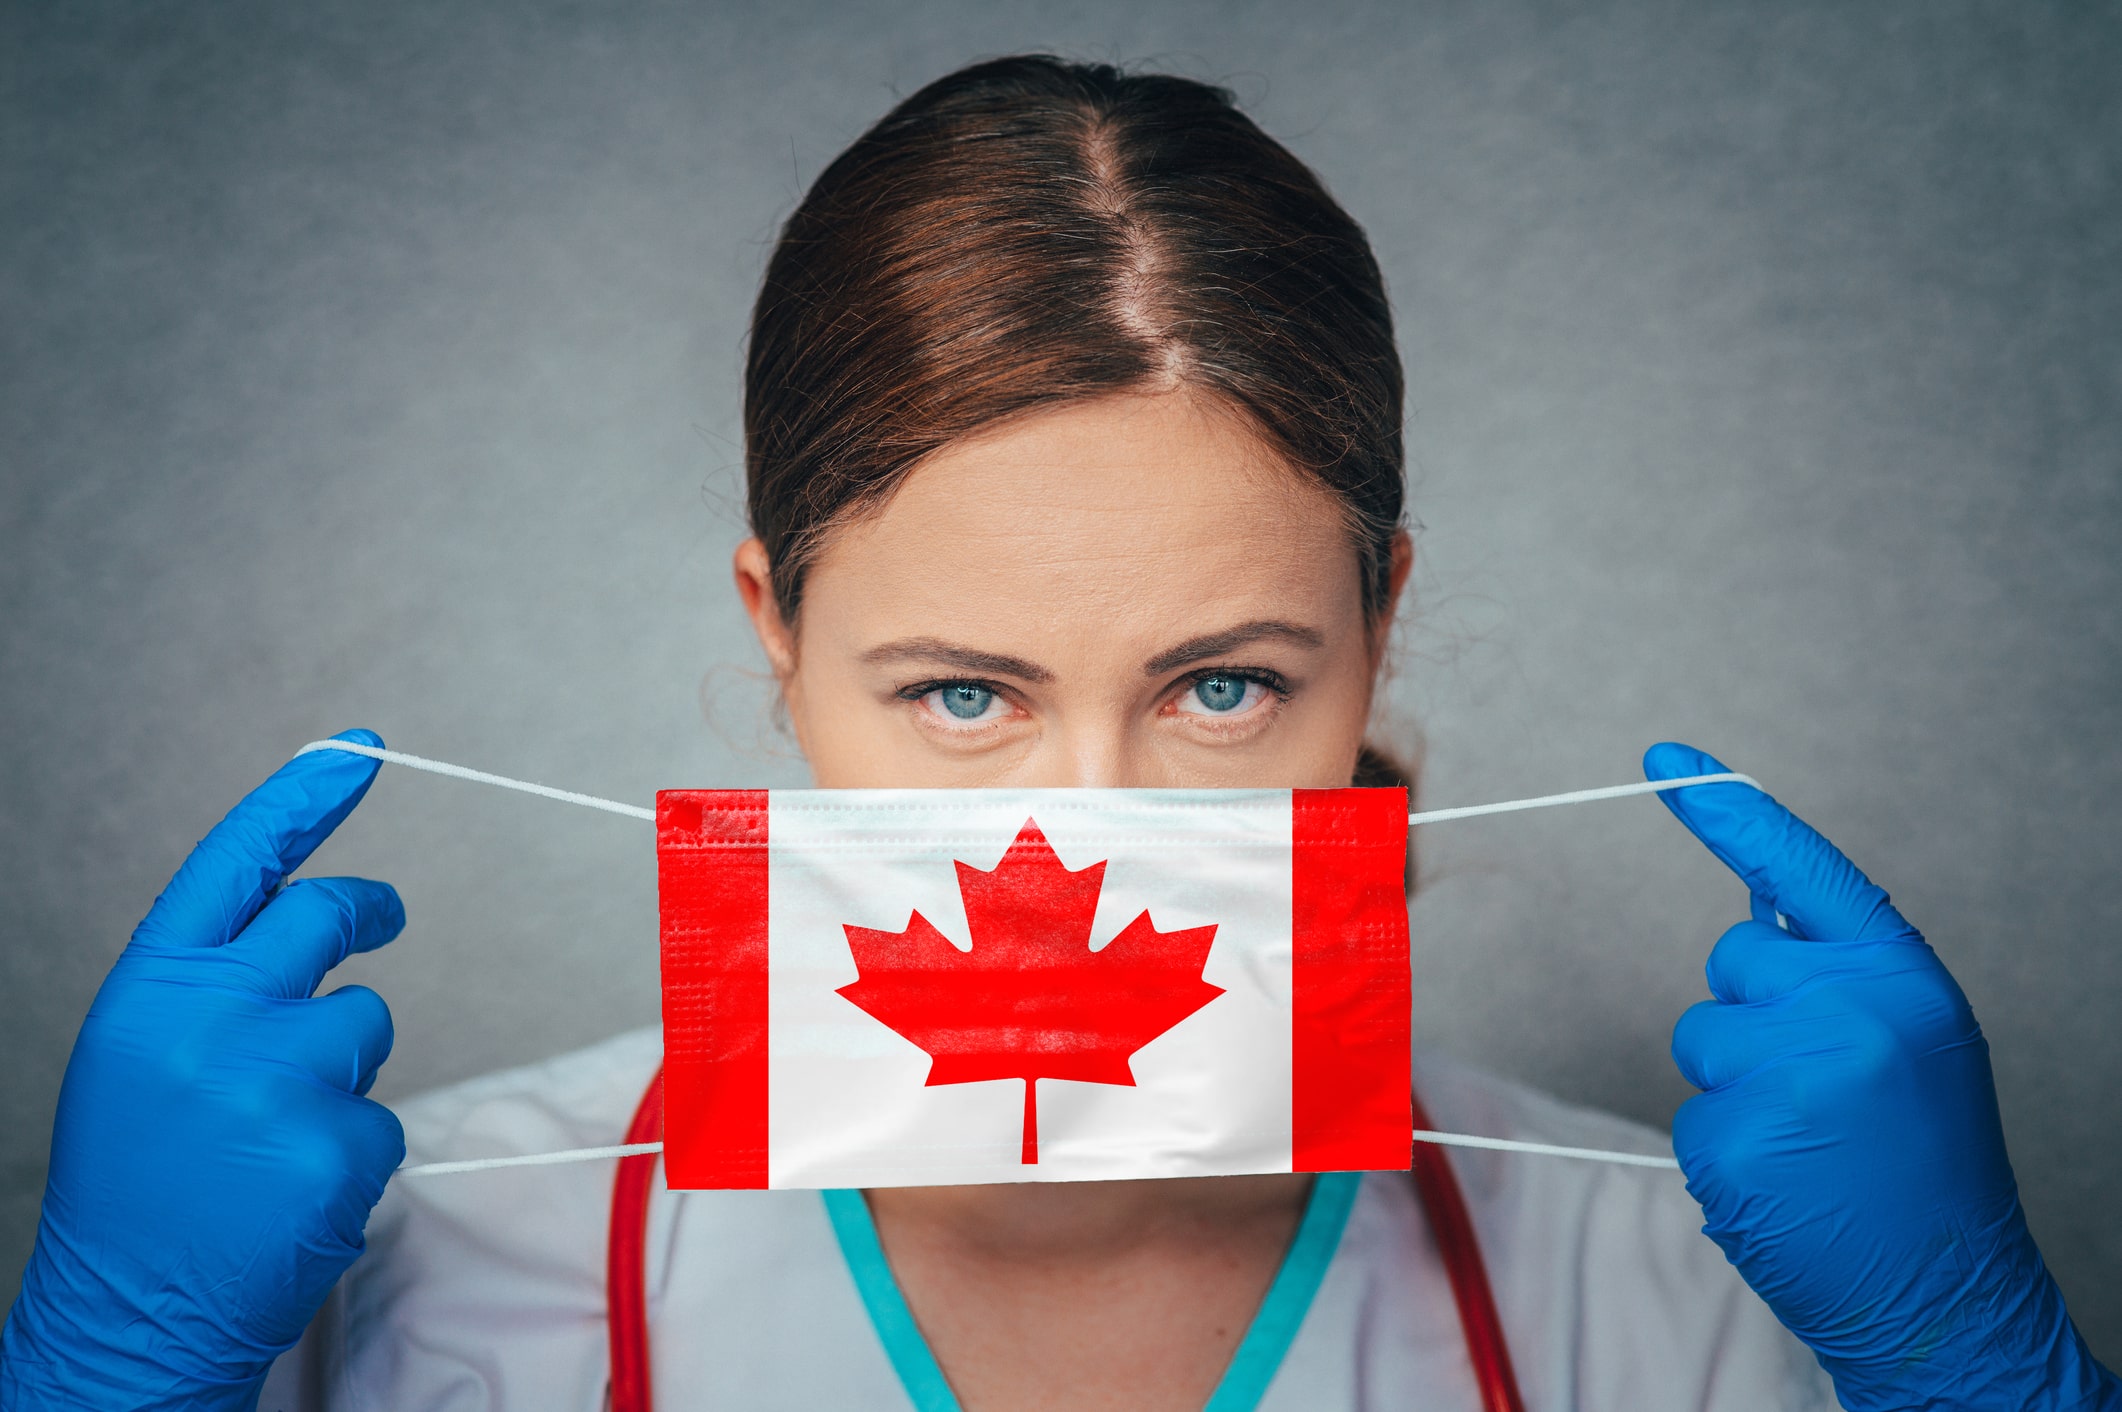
[(214, 1160)]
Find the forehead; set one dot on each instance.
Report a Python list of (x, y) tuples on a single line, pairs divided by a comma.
[(1134, 515)]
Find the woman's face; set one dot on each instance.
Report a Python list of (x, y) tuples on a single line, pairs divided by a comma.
[(1134, 591)]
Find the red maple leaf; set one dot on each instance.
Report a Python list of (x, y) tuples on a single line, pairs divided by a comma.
[(1031, 1000)]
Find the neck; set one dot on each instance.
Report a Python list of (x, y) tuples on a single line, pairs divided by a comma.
[(1072, 1222)]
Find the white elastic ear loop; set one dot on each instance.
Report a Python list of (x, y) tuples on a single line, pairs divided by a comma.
[(459, 772), (634, 811), (642, 1149), (631, 811), (1579, 796)]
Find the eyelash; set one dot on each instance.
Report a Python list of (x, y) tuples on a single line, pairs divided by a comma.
[(1276, 684), (922, 688)]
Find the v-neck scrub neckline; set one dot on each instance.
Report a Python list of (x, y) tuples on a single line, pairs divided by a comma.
[(1245, 1380)]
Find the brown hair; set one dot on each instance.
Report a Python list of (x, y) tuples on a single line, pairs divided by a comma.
[(1028, 231)]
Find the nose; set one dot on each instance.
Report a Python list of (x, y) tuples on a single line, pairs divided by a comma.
[(1097, 754)]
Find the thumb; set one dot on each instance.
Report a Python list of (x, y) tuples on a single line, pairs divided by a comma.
[(239, 865), (1782, 860)]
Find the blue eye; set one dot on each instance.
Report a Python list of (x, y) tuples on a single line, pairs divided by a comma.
[(1228, 696), (966, 701), (1222, 694), (962, 703)]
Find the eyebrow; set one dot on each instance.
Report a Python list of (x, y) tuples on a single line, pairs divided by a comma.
[(950, 654), (1215, 644), (1194, 649)]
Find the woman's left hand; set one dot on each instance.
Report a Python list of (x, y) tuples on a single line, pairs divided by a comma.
[(1845, 1147)]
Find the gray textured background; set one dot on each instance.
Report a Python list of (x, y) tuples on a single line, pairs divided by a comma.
[(377, 364)]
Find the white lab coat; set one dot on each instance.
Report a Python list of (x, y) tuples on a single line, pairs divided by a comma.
[(486, 1290)]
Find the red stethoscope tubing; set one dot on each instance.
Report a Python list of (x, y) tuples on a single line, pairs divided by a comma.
[(1442, 1202), (1453, 1229), (626, 1263)]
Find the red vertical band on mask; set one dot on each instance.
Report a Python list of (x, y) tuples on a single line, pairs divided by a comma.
[(1352, 992), (711, 872)]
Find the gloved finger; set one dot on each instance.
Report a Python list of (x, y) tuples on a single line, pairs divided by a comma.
[(340, 1039), (311, 927), (1736, 1139), (1780, 857), (240, 864), (346, 1144), (375, 1148), (1714, 1043), (1819, 1030), (1757, 961)]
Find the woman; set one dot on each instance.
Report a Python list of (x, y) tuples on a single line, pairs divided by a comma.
[(1074, 448)]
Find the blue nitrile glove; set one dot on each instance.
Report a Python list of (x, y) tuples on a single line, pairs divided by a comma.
[(213, 1163), (1845, 1146)]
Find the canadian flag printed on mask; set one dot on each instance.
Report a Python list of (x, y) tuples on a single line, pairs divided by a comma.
[(922, 987)]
